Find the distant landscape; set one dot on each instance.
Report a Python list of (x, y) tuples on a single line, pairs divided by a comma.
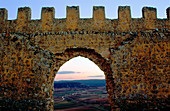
[(80, 95)]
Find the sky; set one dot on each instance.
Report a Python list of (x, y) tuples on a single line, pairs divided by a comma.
[(85, 6), (80, 67)]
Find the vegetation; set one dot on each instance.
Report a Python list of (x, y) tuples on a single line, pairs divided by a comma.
[(80, 95)]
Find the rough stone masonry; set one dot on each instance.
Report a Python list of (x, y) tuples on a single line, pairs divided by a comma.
[(132, 52)]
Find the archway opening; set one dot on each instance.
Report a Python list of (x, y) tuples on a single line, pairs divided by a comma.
[(79, 68), (80, 85)]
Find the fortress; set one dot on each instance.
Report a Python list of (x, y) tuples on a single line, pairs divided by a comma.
[(133, 53)]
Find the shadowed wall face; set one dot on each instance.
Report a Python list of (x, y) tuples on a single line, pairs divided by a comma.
[(25, 74), (133, 56)]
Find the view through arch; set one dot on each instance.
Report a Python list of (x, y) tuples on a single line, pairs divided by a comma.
[(80, 85)]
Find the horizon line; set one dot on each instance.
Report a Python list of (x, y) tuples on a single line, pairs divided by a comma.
[(80, 79)]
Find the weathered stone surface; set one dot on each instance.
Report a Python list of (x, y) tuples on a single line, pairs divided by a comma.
[(133, 54)]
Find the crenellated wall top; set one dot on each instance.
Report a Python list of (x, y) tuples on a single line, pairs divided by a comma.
[(73, 22)]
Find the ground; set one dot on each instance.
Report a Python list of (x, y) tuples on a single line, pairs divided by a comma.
[(81, 99)]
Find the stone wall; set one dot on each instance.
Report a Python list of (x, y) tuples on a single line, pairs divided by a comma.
[(132, 53), (25, 75), (140, 66), (73, 22)]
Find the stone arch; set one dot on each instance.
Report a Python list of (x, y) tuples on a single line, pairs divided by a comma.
[(95, 57)]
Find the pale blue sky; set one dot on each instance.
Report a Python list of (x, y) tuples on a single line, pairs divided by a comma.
[(81, 68), (86, 7)]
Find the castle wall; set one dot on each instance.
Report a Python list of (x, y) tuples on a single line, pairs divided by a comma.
[(133, 53), (73, 22), (25, 75)]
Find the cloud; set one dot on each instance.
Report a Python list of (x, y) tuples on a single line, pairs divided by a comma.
[(67, 72), (97, 76), (64, 79)]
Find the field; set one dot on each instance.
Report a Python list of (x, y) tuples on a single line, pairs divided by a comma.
[(81, 99)]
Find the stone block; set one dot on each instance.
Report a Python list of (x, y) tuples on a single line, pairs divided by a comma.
[(124, 14), (47, 17), (124, 18), (149, 13), (24, 14), (72, 17), (3, 15), (150, 17), (98, 13)]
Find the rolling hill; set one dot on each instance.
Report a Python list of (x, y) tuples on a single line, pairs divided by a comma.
[(80, 83)]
